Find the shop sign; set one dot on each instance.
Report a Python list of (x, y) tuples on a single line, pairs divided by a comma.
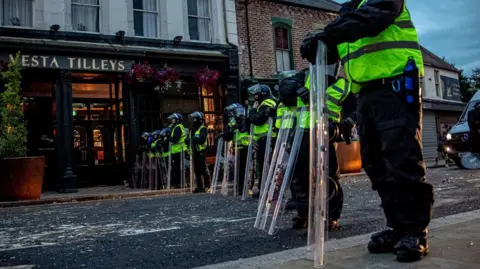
[(72, 63)]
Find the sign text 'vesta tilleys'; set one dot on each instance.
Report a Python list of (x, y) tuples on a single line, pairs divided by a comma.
[(74, 63)]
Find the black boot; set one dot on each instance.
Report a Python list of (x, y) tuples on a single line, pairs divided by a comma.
[(291, 204), (299, 223), (412, 247), (384, 241)]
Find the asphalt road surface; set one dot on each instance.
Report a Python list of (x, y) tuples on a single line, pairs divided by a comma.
[(189, 231)]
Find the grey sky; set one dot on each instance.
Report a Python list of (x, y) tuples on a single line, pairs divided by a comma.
[(449, 28)]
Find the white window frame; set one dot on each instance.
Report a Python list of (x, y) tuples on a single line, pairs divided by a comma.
[(436, 79), (100, 17), (148, 11), (290, 49), (18, 27), (210, 20)]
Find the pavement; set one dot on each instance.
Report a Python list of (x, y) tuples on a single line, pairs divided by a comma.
[(106, 193), (454, 243), (188, 231)]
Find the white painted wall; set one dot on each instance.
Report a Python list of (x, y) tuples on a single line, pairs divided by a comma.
[(116, 15), (429, 90)]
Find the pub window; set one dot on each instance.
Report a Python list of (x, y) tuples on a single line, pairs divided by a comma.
[(17, 12), (283, 51), (199, 20), (145, 16), (85, 15)]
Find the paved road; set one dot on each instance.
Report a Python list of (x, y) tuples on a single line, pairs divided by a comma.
[(188, 231)]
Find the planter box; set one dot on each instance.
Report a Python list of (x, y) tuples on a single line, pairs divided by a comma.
[(21, 178), (349, 158)]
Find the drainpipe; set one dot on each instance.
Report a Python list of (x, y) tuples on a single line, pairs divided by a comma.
[(225, 23), (248, 40)]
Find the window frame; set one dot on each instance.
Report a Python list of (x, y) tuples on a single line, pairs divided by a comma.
[(210, 22), (290, 43), (148, 11), (17, 27), (436, 79), (100, 17)]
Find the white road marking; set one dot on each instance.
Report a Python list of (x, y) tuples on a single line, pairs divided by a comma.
[(239, 220), (130, 232), (18, 246), (473, 180)]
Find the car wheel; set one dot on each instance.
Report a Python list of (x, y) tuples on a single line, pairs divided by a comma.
[(458, 162)]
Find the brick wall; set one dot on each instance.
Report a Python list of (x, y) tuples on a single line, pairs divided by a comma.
[(260, 13)]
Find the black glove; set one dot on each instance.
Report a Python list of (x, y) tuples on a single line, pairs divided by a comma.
[(346, 128), (308, 49), (304, 94), (271, 112)]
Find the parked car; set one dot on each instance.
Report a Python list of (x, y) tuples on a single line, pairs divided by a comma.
[(457, 138)]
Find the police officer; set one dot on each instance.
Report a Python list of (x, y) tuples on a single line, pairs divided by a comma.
[(237, 130), (378, 46), (288, 102), (474, 126), (199, 143), (262, 110), (338, 95), (177, 138)]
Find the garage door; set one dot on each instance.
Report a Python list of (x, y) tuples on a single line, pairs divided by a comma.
[(429, 136)]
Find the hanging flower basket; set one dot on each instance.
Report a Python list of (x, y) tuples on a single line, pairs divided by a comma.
[(207, 78), (146, 74)]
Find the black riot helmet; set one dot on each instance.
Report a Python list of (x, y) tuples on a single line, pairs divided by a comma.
[(288, 88), (235, 110), (156, 134), (175, 118), (145, 135), (196, 118), (165, 132), (259, 91)]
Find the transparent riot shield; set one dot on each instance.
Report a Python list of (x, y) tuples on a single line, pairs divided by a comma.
[(268, 151), (279, 159), (471, 161), (218, 162), (318, 158), (236, 165), (144, 169), (192, 168), (182, 170), (163, 169), (150, 172), (249, 165), (226, 168), (169, 172), (153, 185)]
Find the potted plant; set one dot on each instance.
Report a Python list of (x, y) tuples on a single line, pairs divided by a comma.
[(21, 177)]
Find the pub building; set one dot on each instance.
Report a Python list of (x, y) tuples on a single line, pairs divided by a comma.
[(84, 116)]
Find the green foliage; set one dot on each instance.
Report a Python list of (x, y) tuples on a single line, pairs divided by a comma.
[(13, 132), (465, 87)]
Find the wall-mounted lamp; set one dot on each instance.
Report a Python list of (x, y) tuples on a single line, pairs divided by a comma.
[(120, 36), (54, 30), (177, 40)]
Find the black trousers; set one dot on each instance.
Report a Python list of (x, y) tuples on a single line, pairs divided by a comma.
[(390, 137), (202, 175), (176, 170), (242, 165), (301, 185), (261, 144)]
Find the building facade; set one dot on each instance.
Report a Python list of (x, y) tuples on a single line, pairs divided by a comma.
[(442, 105), (83, 114), (270, 34)]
